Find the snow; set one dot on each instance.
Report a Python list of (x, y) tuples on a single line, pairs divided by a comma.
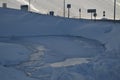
[(57, 6), (41, 47), (12, 74), (9, 51), (70, 62), (107, 66)]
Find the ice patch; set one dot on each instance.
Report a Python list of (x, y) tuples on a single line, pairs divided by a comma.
[(70, 62)]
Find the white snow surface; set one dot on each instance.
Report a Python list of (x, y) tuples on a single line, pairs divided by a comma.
[(70, 62), (42, 47)]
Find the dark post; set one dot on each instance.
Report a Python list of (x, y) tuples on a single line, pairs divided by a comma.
[(68, 6), (64, 8), (80, 13), (4, 5), (114, 10)]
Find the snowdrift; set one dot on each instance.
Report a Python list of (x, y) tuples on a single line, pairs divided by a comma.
[(53, 48)]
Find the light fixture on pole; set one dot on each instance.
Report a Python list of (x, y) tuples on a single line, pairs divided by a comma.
[(103, 14), (114, 10)]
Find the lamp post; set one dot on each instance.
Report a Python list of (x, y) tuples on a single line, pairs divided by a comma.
[(114, 10), (64, 8)]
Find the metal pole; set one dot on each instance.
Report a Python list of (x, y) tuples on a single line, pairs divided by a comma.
[(68, 6), (64, 8), (114, 10), (79, 13), (29, 4), (91, 15), (68, 12)]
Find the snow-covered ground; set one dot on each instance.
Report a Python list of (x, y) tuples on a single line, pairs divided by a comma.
[(42, 47), (44, 6)]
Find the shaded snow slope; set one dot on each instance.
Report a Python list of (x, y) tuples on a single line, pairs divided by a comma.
[(8, 53), (12, 74), (54, 48), (57, 6), (53, 53), (26, 24)]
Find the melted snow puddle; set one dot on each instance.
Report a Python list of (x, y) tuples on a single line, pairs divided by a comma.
[(70, 62)]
